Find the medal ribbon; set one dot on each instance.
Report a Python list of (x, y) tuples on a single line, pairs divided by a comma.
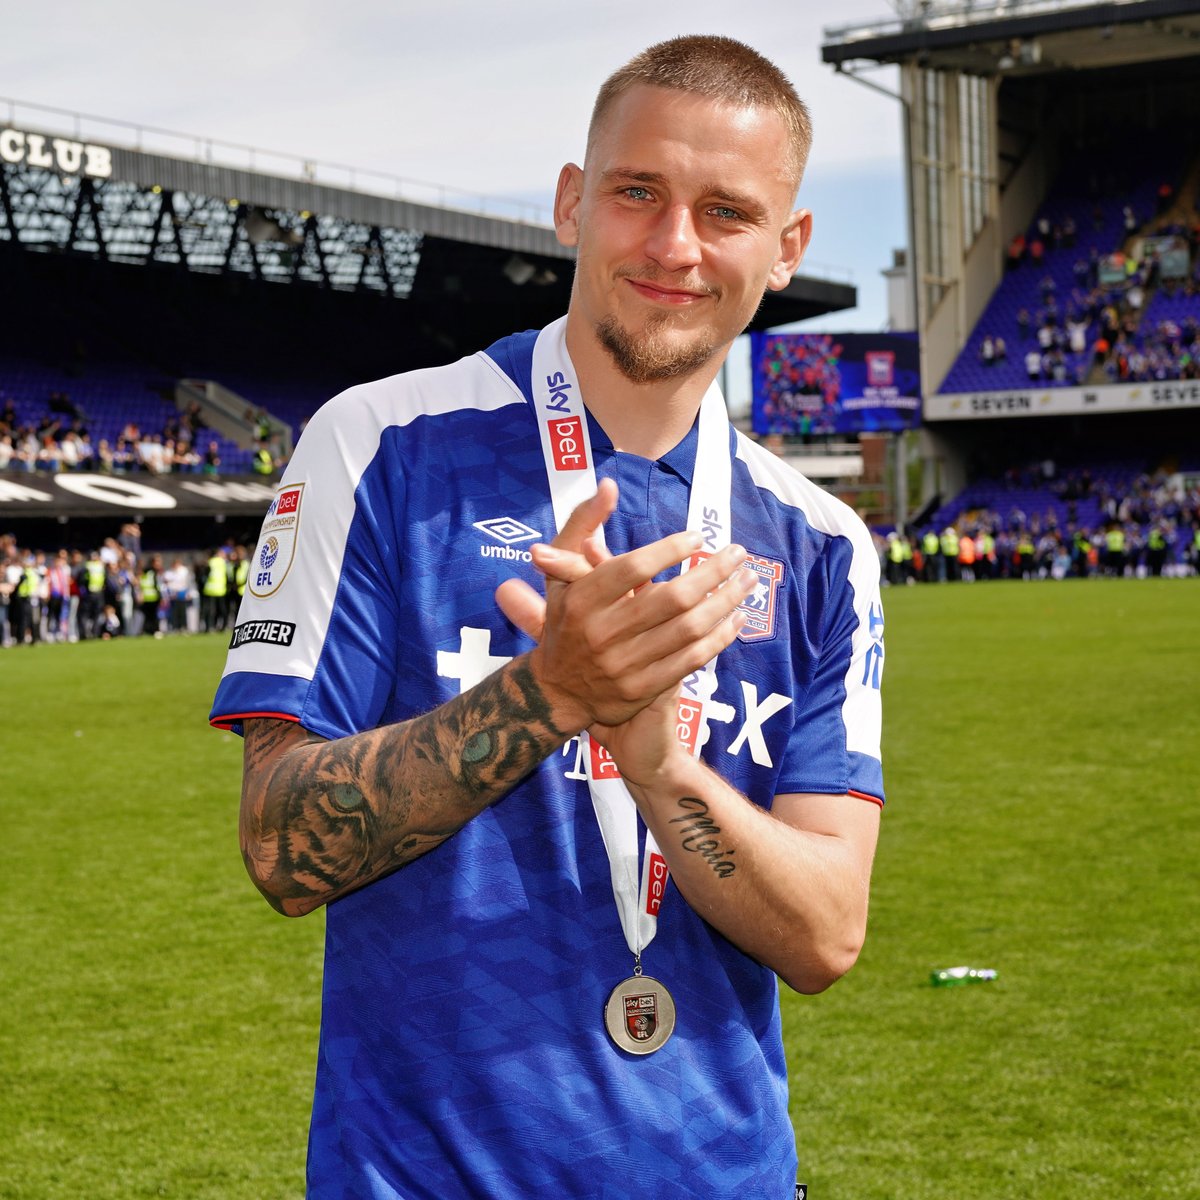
[(570, 468)]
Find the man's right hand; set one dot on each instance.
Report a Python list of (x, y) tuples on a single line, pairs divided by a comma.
[(612, 641)]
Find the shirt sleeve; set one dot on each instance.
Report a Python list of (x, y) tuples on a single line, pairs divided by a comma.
[(835, 743), (316, 628)]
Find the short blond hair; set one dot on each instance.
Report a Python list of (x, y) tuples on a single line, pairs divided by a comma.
[(722, 69)]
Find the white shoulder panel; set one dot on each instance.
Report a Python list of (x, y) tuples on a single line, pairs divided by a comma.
[(339, 443)]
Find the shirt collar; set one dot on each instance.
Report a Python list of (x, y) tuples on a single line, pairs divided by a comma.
[(680, 460)]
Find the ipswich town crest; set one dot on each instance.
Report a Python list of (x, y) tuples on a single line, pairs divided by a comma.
[(760, 606)]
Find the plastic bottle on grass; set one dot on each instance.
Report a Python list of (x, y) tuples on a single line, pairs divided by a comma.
[(959, 976)]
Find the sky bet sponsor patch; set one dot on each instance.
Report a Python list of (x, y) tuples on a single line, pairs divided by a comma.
[(277, 543), (275, 633)]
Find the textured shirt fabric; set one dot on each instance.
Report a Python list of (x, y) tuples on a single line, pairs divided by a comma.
[(463, 1050)]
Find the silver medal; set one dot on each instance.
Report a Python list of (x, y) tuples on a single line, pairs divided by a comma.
[(639, 1015)]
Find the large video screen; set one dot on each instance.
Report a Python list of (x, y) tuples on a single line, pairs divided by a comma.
[(822, 383)]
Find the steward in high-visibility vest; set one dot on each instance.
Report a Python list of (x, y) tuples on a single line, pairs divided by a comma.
[(1114, 550), (895, 553), (241, 574), (151, 589), (95, 575), (212, 594), (23, 617), (1081, 546), (1023, 556), (987, 555), (216, 582), (264, 464), (931, 549), (1156, 550), (949, 545), (90, 581)]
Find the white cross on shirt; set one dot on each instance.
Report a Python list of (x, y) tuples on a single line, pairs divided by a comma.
[(474, 660)]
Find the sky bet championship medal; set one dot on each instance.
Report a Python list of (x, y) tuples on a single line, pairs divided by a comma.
[(640, 1014)]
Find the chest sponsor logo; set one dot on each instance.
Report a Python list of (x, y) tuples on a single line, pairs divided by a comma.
[(274, 633), (687, 724), (276, 548), (657, 887), (603, 766), (567, 445)]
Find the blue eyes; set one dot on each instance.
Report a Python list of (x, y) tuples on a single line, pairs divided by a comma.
[(721, 211)]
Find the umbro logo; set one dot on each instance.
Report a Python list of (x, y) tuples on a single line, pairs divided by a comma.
[(507, 530)]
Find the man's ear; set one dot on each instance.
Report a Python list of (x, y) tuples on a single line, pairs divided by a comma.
[(567, 198), (792, 244)]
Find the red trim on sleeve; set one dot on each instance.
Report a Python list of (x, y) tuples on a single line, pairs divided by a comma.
[(865, 796), (226, 721)]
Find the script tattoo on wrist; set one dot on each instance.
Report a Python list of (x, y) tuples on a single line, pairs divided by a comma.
[(326, 817), (699, 836)]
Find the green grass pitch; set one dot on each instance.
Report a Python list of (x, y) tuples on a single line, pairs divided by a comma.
[(1042, 742)]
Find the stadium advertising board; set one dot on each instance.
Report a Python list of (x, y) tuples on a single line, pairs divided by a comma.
[(1171, 250), (821, 383), (82, 494), (65, 155), (1058, 402)]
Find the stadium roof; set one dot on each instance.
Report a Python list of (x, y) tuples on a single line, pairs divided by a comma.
[(1014, 38), (463, 254)]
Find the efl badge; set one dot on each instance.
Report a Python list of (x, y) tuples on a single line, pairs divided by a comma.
[(641, 1016), (277, 543), (759, 607)]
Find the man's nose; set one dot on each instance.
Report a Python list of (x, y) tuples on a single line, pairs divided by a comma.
[(674, 242)]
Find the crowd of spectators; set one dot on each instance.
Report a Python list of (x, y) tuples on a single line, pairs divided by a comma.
[(1151, 527), (60, 440), (116, 590), (1100, 325)]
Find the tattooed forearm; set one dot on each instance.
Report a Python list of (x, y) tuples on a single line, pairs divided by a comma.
[(699, 836), (320, 819)]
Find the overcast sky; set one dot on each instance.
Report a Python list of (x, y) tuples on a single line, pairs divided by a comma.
[(488, 98)]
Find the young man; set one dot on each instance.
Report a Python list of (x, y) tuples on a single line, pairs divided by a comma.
[(576, 803)]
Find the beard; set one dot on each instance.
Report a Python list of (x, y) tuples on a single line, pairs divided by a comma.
[(648, 356)]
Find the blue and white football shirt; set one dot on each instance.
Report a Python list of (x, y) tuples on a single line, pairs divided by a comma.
[(463, 1050)]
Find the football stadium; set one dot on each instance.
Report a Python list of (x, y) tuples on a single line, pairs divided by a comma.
[(1022, 440)]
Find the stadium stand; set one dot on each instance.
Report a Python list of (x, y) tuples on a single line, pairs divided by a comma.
[(1081, 223)]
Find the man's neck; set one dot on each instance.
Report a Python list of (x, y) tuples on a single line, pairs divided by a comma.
[(647, 419)]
